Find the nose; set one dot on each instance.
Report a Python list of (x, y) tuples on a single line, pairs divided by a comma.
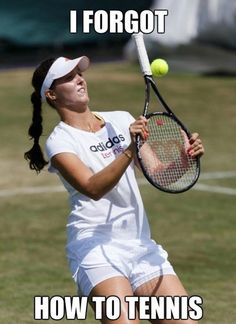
[(79, 78)]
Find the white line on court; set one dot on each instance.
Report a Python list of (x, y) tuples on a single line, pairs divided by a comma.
[(30, 190), (198, 186), (217, 175), (216, 189)]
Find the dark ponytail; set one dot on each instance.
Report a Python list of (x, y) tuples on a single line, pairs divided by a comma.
[(35, 155)]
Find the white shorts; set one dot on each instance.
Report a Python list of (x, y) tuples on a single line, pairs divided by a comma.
[(138, 261)]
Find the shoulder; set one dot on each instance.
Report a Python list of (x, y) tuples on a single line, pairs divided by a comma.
[(60, 140), (58, 133)]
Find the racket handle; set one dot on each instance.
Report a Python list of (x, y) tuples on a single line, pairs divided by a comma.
[(142, 54)]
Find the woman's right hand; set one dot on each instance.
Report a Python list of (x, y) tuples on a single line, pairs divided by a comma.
[(139, 127)]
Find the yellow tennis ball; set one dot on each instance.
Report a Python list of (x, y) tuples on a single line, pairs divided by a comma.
[(159, 67)]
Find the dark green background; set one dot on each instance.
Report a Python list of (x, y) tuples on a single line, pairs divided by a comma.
[(46, 23)]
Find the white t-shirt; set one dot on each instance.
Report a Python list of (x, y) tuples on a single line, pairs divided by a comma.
[(119, 214)]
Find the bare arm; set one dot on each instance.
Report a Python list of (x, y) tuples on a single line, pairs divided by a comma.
[(93, 185), (96, 185)]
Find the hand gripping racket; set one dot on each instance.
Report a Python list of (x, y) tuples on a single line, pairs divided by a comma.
[(163, 156)]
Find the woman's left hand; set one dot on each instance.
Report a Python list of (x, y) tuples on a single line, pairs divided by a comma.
[(196, 148)]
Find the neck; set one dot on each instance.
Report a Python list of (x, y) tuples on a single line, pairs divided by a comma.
[(85, 120)]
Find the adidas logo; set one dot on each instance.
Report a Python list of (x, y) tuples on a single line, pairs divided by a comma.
[(107, 145)]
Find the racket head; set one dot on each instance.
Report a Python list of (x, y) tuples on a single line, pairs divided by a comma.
[(164, 157)]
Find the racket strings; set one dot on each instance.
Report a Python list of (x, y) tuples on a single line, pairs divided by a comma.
[(164, 156)]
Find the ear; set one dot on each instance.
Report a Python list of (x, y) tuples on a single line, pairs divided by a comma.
[(50, 94)]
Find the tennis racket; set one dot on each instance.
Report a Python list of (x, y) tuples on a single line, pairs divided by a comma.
[(163, 156)]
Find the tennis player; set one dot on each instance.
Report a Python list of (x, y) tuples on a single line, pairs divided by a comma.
[(109, 248)]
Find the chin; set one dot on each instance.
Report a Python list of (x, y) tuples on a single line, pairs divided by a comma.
[(85, 101)]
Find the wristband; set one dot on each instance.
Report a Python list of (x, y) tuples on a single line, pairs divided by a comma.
[(127, 154)]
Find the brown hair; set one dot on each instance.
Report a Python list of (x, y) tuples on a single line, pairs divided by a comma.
[(35, 155)]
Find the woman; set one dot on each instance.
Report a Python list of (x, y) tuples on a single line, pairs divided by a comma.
[(109, 247)]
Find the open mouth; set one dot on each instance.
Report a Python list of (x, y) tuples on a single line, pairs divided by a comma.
[(81, 90)]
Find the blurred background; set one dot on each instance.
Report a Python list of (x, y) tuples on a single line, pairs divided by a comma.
[(197, 227), (204, 31)]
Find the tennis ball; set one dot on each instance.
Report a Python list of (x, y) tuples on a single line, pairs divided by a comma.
[(159, 67)]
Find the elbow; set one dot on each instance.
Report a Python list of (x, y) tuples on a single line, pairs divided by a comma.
[(90, 194), (95, 196), (94, 193), (92, 190), (95, 190)]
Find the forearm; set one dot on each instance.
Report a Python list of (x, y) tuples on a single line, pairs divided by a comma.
[(103, 181)]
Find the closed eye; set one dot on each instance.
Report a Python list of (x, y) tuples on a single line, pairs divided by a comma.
[(70, 76)]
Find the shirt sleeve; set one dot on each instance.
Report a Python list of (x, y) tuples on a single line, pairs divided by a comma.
[(127, 119), (130, 118), (54, 146)]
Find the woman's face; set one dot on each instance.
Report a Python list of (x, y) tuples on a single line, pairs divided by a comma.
[(71, 90)]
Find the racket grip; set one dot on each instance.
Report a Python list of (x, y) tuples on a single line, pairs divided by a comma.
[(142, 54)]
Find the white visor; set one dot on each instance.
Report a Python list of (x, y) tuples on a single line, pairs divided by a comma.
[(61, 67)]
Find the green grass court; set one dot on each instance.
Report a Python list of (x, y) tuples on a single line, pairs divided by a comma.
[(197, 228)]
